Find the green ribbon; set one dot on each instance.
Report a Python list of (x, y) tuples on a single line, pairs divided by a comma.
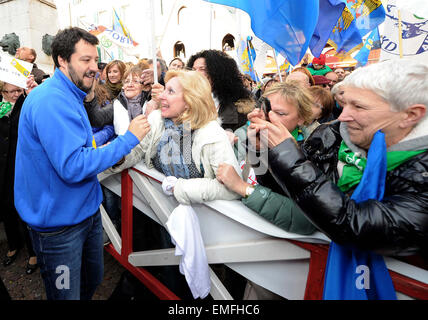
[(5, 107), (355, 164)]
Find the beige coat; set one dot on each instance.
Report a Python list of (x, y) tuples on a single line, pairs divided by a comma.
[(210, 147)]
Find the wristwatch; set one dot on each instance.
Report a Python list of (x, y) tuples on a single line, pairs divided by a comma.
[(248, 191)]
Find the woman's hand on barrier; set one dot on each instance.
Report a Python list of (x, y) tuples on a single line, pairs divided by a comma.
[(228, 176)]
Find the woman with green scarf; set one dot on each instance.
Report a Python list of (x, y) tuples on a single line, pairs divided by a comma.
[(323, 174), (290, 104), (11, 101)]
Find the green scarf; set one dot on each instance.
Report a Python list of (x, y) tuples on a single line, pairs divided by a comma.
[(113, 88), (297, 134), (5, 107), (355, 164)]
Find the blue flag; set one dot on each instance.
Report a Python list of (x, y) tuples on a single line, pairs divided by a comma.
[(372, 41), (286, 25), (351, 273), (329, 13), (358, 19)]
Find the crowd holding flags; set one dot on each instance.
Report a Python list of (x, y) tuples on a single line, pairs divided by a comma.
[(290, 28)]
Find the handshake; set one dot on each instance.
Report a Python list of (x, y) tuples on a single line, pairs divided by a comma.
[(139, 127)]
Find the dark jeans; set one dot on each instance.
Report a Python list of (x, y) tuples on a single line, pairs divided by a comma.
[(112, 205), (71, 259)]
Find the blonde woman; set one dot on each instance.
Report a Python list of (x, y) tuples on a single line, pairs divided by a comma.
[(290, 103), (186, 141)]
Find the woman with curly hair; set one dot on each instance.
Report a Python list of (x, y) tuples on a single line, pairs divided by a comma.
[(233, 101)]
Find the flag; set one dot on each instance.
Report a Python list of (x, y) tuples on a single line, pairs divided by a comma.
[(246, 57), (372, 42), (329, 13), (119, 27), (368, 14), (358, 18), (285, 66), (351, 273), (414, 34), (286, 25)]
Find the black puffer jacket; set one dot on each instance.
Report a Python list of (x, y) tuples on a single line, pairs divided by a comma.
[(397, 225)]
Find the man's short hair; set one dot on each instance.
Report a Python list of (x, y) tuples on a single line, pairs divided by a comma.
[(64, 43), (34, 54), (401, 83)]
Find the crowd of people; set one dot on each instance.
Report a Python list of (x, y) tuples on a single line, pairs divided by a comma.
[(199, 122)]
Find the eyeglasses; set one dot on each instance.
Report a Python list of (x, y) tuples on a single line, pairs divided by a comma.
[(134, 82), (13, 91)]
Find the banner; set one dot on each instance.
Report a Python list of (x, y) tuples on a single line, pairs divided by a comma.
[(14, 71), (109, 36), (414, 35)]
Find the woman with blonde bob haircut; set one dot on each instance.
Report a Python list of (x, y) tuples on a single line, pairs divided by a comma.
[(186, 141), (197, 96), (291, 103)]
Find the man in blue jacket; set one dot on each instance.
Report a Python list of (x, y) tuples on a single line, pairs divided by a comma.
[(56, 188)]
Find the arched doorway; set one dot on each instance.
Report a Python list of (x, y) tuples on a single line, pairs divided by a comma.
[(179, 50), (228, 43)]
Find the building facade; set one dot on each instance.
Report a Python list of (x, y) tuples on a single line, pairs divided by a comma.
[(182, 27), (30, 20)]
